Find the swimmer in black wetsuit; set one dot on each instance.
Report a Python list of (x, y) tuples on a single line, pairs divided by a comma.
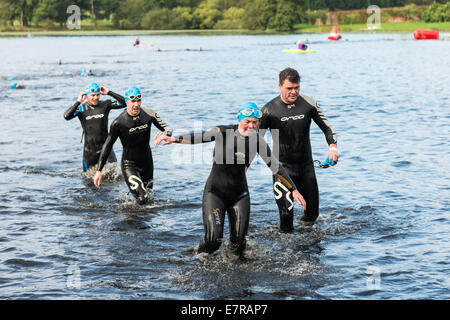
[(133, 128), (289, 116), (93, 115), (226, 188)]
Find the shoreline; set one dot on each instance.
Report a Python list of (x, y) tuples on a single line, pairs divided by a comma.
[(393, 27)]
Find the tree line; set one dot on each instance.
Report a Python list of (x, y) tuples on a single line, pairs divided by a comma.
[(279, 15)]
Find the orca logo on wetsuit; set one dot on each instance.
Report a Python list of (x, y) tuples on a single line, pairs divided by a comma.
[(135, 182), (279, 193), (299, 117), (95, 116), (145, 126), (216, 214)]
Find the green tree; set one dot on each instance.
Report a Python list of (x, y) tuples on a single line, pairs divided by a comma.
[(130, 14), (21, 10), (232, 19), (54, 10), (207, 13), (258, 14), (287, 14), (437, 13)]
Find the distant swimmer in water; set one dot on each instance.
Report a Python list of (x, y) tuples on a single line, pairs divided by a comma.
[(16, 85), (137, 42), (59, 62), (93, 115), (86, 73), (302, 45), (133, 128), (226, 189)]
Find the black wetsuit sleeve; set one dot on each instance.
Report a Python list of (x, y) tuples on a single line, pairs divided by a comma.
[(324, 125), (107, 146), (161, 125), (199, 137), (72, 111), (157, 121), (119, 103), (275, 166)]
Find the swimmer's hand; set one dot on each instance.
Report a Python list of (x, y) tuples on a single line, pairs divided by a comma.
[(161, 136), (104, 90), (82, 97), (97, 179), (333, 153), (299, 198)]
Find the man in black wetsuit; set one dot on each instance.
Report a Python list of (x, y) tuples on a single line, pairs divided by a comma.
[(226, 189), (289, 116), (133, 128), (93, 115)]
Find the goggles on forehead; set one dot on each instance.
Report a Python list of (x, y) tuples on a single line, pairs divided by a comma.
[(250, 112), (93, 90)]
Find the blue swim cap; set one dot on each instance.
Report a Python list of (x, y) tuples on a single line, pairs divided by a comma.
[(14, 85), (92, 88), (248, 109), (132, 92)]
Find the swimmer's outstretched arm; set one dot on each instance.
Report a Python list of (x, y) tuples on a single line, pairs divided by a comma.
[(278, 170), (74, 110), (106, 150), (189, 138)]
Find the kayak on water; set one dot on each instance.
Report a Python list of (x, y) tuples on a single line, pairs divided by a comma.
[(298, 51)]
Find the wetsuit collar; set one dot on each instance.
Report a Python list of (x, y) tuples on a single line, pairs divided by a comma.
[(134, 117), (292, 105)]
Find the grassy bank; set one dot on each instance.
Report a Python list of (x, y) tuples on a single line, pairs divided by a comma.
[(403, 27), (105, 28)]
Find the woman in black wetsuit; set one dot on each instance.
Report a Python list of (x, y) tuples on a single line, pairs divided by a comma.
[(133, 128), (226, 188)]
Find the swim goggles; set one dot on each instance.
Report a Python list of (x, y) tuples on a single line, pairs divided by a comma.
[(93, 90), (250, 112), (137, 97)]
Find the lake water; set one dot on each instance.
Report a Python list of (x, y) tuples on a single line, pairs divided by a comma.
[(383, 229)]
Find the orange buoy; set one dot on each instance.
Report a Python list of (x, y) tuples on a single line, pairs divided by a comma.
[(421, 34), (334, 34)]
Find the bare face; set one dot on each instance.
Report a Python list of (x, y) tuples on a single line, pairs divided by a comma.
[(93, 98), (248, 126), (289, 91), (133, 107)]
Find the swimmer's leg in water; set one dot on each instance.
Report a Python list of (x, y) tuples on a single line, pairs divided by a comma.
[(238, 217), (213, 220), (137, 180), (305, 180), (90, 160)]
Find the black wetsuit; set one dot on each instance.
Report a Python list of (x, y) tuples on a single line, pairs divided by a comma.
[(137, 161), (94, 120), (226, 188), (292, 142)]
